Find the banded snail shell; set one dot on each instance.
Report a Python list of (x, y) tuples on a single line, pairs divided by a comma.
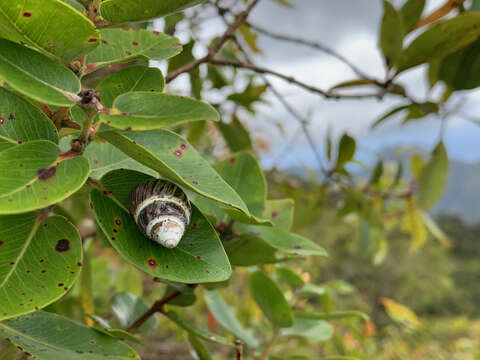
[(161, 210)]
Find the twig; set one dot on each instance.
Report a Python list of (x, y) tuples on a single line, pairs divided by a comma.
[(312, 44), (212, 51), (155, 308), (239, 349)]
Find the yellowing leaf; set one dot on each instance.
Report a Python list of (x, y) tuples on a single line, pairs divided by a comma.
[(250, 38), (415, 226), (400, 313)]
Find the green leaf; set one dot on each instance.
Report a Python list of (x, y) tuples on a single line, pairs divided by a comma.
[(126, 45), (199, 257), (184, 299), (376, 173), (20, 121), (270, 299), (331, 315), (243, 173), (441, 39), (346, 150), (460, 70), (123, 11), (150, 110), (45, 336), (40, 261), (201, 333), (51, 26), (36, 175), (105, 157), (235, 134), (182, 59), (76, 5), (411, 13), (200, 349), (353, 83), (36, 75), (280, 211), (416, 165), (129, 281), (391, 34), (249, 96), (134, 78), (248, 250), (435, 230), (433, 178), (128, 308), (225, 316), (420, 110), (413, 223), (310, 329), (290, 277), (175, 159), (388, 114), (286, 242)]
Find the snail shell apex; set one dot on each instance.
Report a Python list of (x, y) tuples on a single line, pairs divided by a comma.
[(161, 210)]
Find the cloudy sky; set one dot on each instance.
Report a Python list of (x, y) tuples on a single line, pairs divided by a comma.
[(349, 27)]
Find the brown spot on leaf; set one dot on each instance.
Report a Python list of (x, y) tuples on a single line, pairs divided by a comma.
[(62, 245), (274, 213), (45, 174), (95, 161), (2, 242), (178, 153), (152, 263), (60, 284), (183, 146), (128, 53), (90, 40), (2, 120), (79, 264), (134, 43), (11, 117), (118, 222), (27, 14), (232, 160)]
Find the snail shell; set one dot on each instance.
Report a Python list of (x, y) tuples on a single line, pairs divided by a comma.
[(161, 210)]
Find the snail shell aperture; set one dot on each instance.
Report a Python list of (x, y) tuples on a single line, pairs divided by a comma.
[(161, 210)]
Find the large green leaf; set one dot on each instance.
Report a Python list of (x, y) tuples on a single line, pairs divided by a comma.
[(105, 157), (310, 329), (461, 70), (123, 11), (248, 250), (391, 34), (21, 121), (36, 75), (52, 337), (270, 299), (285, 241), (37, 175), (175, 159), (411, 13), (149, 110), (280, 211), (433, 178), (128, 308), (441, 39), (125, 45), (133, 78), (50, 25), (226, 317), (199, 257), (201, 333), (243, 173), (40, 262)]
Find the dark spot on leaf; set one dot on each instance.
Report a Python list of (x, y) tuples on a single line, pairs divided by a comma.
[(232, 160), (190, 244), (20, 165), (10, 200), (298, 247), (11, 117), (113, 239), (156, 33), (12, 263), (195, 182), (106, 192), (118, 222), (115, 230), (104, 42), (45, 174), (95, 161), (166, 266), (65, 288), (92, 40), (27, 186), (92, 342), (36, 308), (152, 263), (178, 153), (134, 43), (128, 53), (60, 284), (72, 272), (28, 271), (128, 128), (274, 213), (2, 242), (2, 120), (41, 260), (183, 146), (62, 245), (79, 264), (27, 14), (44, 271), (194, 225), (198, 257), (207, 271)]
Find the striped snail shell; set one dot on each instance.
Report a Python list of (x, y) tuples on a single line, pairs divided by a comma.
[(161, 210)]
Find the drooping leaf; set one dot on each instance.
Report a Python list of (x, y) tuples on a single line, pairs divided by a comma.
[(201, 333), (36, 175), (290, 277), (121, 11), (346, 150), (433, 178), (21, 121), (310, 329), (200, 350), (199, 257), (128, 308), (411, 13), (36, 75), (441, 39), (280, 211), (388, 114), (270, 300), (50, 25), (243, 173), (125, 45), (391, 34), (225, 316), (40, 262), (52, 337), (149, 110), (413, 223), (175, 159), (235, 134), (286, 242), (130, 79)]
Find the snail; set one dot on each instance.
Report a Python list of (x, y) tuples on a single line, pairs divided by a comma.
[(161, 210)]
